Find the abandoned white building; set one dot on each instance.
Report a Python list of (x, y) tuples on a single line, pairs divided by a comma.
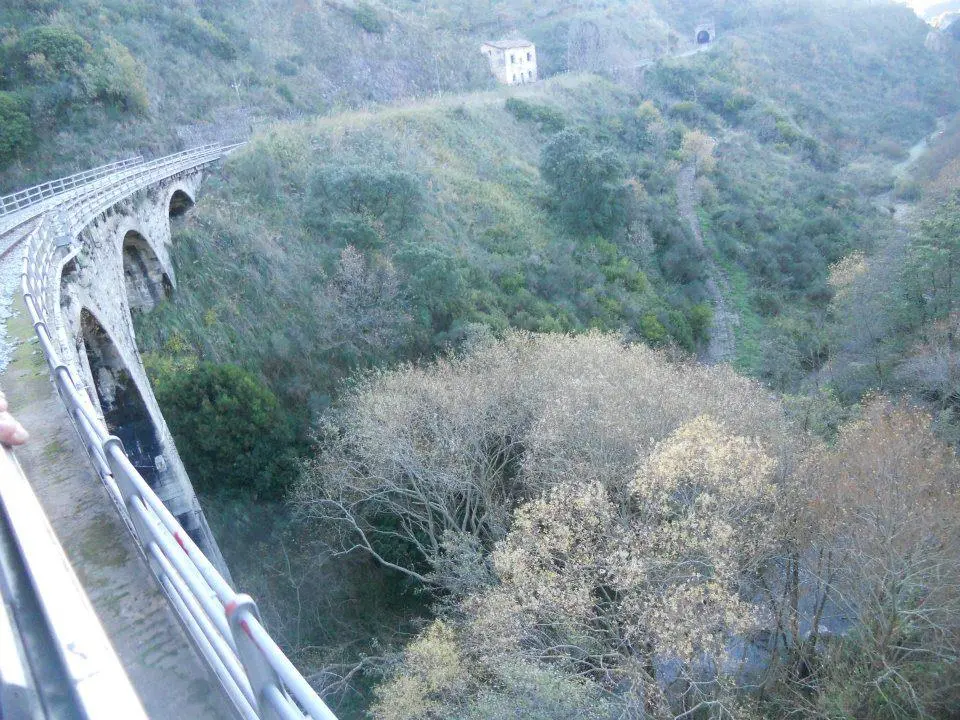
[(514, 62)]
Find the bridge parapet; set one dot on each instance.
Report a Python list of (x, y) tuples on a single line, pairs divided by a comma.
[(81, 228)]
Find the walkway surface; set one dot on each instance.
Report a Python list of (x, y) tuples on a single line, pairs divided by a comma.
[(723, 341), (146, 635)]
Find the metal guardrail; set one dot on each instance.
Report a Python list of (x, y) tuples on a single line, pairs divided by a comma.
[(55, 658), (33, 195), (26, 205), (225, 626)]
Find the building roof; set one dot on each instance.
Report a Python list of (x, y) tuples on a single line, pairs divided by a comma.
[(508, 44)]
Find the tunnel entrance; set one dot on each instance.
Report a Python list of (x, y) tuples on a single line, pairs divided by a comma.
[(703, 37), (147, 283), (123, 407), (180, 203)]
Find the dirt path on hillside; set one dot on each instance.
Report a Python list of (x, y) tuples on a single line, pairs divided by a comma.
[(891, 254), (882, 273), (723, 342)]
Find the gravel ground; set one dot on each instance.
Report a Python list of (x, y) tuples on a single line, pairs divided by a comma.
[(10, 266)]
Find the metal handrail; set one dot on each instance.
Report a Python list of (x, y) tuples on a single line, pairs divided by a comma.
[(256, 676), (25, 198), (33, 207), (54, 653)]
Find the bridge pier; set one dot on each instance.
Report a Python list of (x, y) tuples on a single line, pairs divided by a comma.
[(122, 266)]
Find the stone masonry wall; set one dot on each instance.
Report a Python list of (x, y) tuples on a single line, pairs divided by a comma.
[(92, 282)]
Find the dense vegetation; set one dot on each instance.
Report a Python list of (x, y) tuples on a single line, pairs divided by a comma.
[(761, 172), (441, 339), (611, 534), (99, 78)]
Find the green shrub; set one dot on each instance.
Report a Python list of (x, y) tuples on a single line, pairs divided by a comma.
[(687, 111), (286, 67), (908, 190), (891, 149), (652, 330), (436, 284), (366, 16), (16, 134), (195, 34), (587, 183), (34, 6), (232, 433), (637, 126), (285, 92), (48, 52), (739, 102), (700, 318), (385, 195), (258, 174), (681, 81), (117, 78), (680, 330), (547, 118)]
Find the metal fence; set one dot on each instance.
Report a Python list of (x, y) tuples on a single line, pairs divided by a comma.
[(31, 196), (258, 678)]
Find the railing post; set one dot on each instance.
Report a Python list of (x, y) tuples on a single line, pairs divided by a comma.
[(259, 671), (128, 491)]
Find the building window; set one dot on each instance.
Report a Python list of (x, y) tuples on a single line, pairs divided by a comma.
[(530, 74), (513, 59), (529, 57), (514, 78)]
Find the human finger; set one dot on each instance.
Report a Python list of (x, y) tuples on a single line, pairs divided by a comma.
[(11, 431)]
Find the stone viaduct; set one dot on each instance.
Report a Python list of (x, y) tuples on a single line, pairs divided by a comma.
[(120, 267), (96, 253)]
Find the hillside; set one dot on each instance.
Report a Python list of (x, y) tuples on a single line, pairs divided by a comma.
[(118, 76), (550, 401), (483, 238), (409, 229), (84, 82), (630, 202)]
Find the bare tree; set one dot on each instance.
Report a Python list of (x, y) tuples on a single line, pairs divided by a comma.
[(586, 47), (880, 577), (423, 463)]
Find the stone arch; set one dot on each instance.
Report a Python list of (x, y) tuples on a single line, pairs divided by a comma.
[(146, 281), (703, 37), (121, 402), (180, 203)]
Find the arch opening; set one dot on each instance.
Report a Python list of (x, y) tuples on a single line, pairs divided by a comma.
[(146, 282), (180, 202), (124, 410), (703, 37)]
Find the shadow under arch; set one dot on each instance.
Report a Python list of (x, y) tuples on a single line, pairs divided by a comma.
[(703, 37), (147, 283), (123, 407), (180, 203)]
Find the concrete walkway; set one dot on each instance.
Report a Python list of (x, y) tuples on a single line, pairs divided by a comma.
[(153, 647)]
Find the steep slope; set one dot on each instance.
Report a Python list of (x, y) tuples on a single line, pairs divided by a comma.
[(408, 229), (85, 81), (460, 228)]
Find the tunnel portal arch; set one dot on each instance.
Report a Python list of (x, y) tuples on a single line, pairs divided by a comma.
[(146, 281), (705, 33)]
